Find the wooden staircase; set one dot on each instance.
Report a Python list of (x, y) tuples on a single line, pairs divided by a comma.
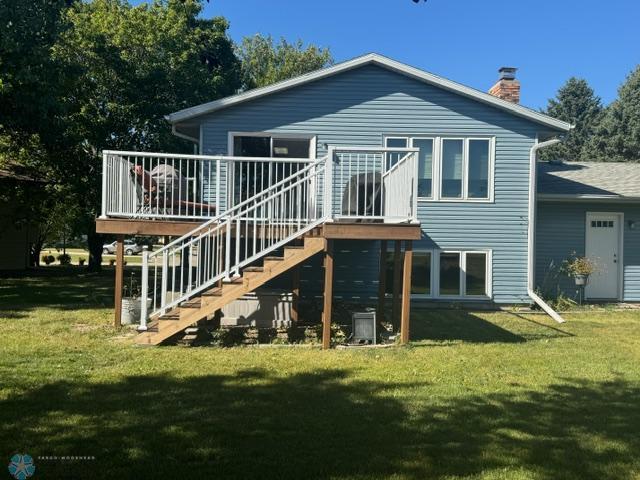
[(209, 301)]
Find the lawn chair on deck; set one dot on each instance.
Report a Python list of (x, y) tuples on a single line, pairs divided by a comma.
[(163, 191)]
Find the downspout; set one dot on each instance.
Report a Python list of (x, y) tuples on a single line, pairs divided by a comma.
[(531, 230)]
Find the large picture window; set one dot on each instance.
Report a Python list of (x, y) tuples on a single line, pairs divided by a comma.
[(446, 274), (464, 274), (450, 168)]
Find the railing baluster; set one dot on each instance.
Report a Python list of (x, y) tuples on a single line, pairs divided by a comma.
[(145, 288)]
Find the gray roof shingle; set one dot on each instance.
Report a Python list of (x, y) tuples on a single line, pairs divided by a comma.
[(602, 179)]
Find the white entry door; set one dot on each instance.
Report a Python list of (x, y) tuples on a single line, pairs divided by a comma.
[(603, 241)]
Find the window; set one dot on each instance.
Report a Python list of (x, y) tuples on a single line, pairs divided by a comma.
[(250, 177), (478, 177), (466, 168), (425, 159), (450, 273), (271, 146), (452, 152), (464, 274), (451, 169), (425, 165), (475, 274), (602, 224), (421, 273), (395, 142)]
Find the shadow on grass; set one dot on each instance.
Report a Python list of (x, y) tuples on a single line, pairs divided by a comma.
[(321, 425), (65, 288), (458, 325)]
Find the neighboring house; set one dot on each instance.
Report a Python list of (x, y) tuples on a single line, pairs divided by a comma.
[(360, 154), (15, 234), (591, 209)]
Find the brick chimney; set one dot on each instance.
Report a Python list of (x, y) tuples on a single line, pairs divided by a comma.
[(507, 87)]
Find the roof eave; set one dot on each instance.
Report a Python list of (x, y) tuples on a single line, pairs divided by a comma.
[(548, 197), (385, 62)]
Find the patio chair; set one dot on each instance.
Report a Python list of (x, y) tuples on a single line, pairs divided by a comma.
[(161, 191)]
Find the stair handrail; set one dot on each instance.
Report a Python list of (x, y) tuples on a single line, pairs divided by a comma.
[(211, 232), (227, 213)]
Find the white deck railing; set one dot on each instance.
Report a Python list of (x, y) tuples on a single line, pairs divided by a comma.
[(359, 183), (172, 186), (355, 184), (375, 184), (217, 250)]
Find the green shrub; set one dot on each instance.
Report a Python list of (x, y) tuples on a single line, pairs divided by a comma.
[(48, 259), (81, 261), (64, 259), (228, 337)]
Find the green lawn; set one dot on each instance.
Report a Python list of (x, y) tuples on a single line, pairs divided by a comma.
[(477, 395)]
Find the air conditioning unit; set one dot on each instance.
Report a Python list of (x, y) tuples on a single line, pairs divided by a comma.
[(364, 327)]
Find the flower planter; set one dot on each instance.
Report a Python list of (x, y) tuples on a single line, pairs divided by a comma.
[(581, 280)]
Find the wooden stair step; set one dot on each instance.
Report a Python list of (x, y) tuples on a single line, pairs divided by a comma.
[(208, 302), (214, 292), (194, 303)]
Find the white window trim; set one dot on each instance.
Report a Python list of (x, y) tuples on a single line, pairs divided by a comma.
[(465, 170), (436, 173), (299, 136), (432, 290), (463, 268)]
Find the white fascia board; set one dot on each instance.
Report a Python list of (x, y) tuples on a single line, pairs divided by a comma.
[(384, 62)]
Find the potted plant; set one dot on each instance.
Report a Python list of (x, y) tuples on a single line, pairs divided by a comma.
[(580, 268), (132, 302)]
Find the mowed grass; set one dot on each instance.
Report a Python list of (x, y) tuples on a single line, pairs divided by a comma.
[(476, 396)]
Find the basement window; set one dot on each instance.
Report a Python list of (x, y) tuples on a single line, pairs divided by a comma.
[(464, 274)]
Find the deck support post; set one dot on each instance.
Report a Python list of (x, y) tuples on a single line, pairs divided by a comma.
[(328, 295), (295, 296), (119, 281), (406, 292), (382, 281), (397, 284)]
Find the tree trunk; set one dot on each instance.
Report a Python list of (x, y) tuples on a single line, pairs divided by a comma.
[(95, 242), (36, 249)]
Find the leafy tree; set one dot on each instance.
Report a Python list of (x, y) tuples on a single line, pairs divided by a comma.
[(30, 79), (577, 104), (265, 62), (617, 137), (133, 65)]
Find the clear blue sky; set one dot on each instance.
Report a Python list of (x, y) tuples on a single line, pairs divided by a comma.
[(464, 40)]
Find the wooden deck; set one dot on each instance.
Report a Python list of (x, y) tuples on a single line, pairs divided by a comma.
[(330, 230), (327, 232)]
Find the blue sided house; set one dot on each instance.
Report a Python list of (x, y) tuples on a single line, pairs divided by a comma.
[(365, 180)]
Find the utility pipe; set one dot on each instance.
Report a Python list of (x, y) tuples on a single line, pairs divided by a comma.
[(531, 229)]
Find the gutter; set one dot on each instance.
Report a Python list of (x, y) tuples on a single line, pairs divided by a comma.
[(531, 230)]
